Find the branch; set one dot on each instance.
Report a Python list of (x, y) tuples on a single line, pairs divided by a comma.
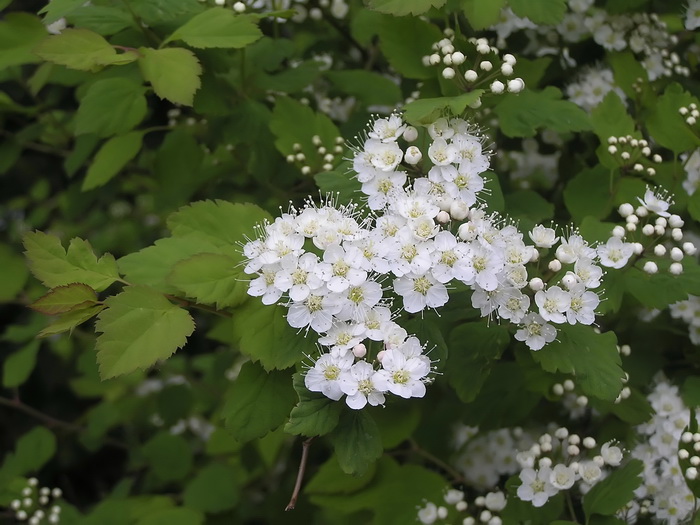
[(300, 475)]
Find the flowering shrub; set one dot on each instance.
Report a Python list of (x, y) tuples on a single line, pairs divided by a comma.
[(333, 261)]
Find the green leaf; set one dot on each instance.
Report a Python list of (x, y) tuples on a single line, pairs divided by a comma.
[(33, 449), (667, 126), (614, 492), (262, 332), (341, 183), (404, 41), (397, 422), (112, 106), (170, 456), (372, 89), (139, 327), (111, 159), (404, 7), (65, 298), (482, 14), (222, 223), (592, 358), (211, 279), (314, 414), (588, 194), (425, 111), (19, 34), (611, 119), (524, 114), (19, 365), (215, 488), (173, 72), (691, 391), (54, 266), (356, 441), (474, 347), (59, 8), (528, 204), (81, 49), (627, 71), (174, 516), (330, 479), (258, 402), (217, 27), (14, 272), (101, 19), (655, 291), (151, 266), (544, 12), (70, 320)]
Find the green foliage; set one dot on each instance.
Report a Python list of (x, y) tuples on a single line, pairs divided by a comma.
[(138, 327), (356, 441), (214, 489), (112, 106), (427, 110), (111, 158), (217, 28), (404, 40), (81, 49), (173, 72), (210, 278), (19, 365), (32, 451), (63, 299), (667, 126), (404, 7), (19, 34), (482, 14), (314, 414), (588, 194), (169, 457), (547, 12), (613, 493)]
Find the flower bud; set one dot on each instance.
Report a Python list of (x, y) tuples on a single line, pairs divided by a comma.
[(625, 209), (650, 267), (536, 284), (413, 155), (458, 58), (470, 75), (507, 69), (448, 73), (359, 350), (380, 355), (676, 234), (676, 268), (618, 231), (676, 254), (239, 7), (554, 265), (486, 65), (443, 217), (516, 85), (648, 230), (659, 249), (497, 87), (459, 210), (689, 248), (410, 134)]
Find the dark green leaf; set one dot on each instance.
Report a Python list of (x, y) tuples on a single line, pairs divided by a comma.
[(545, 12), (588, 194), (357, 442), (169, 456), (111, 106), (404, 41), (480, 14), (19, 34), (425, 111), (314, 414), (614, 492), (19, 365), (215, 488)]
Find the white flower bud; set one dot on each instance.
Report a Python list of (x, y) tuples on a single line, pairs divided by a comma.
[(651, 172), (443, 217), (413, 155), (239, 7), (659, 249), (434, 59), (219, 2), (453, 496), (507, 69), (650, 267), (497, 87), (612, 140), (447, 49), (676, 254), (573, 450), (461, 506), (448, 73), (619, 232), (689, 248), (470, 75), (659, 230), (536, 284), (509, 59), (625, 155), (546, 447), (695, 461), (380, 355), (674, 221), (676, 268), (569, 280), (582, 401), (676, 234), (554, 265), (359, 350), (641, 211), (648, 230), (561, 433), (612, 149), (410, 134), (459, 210), (638, 167), (558, 389), (625, 209), (630, 227), (568, 385), (638, 248), (589, 442), (625, 350), (683, 454), (442, 512), (486, 65), (660, 221), (574, 439), (447, 60), (458, 58), (691, 473), (476, 104), (516, 85)]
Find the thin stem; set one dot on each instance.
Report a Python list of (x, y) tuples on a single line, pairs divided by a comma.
[(300, 474), (415, 447), (570, 505)]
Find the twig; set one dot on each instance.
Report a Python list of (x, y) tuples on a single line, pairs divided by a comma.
[(300, 475)]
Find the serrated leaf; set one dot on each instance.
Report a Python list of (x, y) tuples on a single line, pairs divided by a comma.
[(474, 347), (173, 72), (81, 49), (667, 126), (59, 8), (54, 266), (524, 114), (482, 14), (592, 358), (70, 320), (545, 12), (215, 488), (404, 40), (211, 279), (426, 110), (101, 19), (615, 491), (138, 327), (610, 118), (258, 402), (19, 33), (65, 298), (219, 28), (314, 414), (111, 158), (19, 365), (111, 106), (369, 87), (356, 441), (263, 334), (404, 7)]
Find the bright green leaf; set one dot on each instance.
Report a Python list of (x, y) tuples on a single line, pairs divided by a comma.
[(173, 72), (65, 298), (19, 33), (544, 12), (592, 358), (480, 14), (217, 27), (404, 7), (70, 320), (33, 450), (215, 488), (211, 279), (314, 414), (111, 159), (615, 491), (404, 40), (81, 49), (258, 402), (54, 266), (56, 9), (425, 111), (610, 118), (14, 272), (356, 441), (19, 365), (111, 106), (139, 327), (104, 20)]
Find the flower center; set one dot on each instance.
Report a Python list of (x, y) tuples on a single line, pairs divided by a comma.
[(314, 303), (340, 268), (401, 377), (365, 386), (422, 285), (299, 276), (448, 258), (356, 295), (408, 252), (331, 372)]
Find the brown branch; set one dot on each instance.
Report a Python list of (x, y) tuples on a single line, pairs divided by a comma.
[(300, 475)]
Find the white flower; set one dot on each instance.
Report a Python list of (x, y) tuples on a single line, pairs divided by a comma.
[(513, 305), (428, 514), (376, 323), (420, 291), (387, 130), (553, 303), (487, 264), (589, 471), (562, 477), (615, 253), (402, 376), (588, 273), (384, 156), (535, 332), (441, 128), (535, 486), (325, 376), (341, 268), (343, 336), (469, 153), (583, 305), (297, 276), (358, 384), (692, 15), (543, 237), (441, 153), (655, 203), (451, 259), (316, 311), (382, 188), (357, 300), (264, 285), (574, 248), (612, 455)]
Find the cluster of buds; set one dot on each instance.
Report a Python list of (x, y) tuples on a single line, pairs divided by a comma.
[(629, 153), (656, 203), (484, 509), (37, 505), (691, 114), (327, 154), (481, 66)]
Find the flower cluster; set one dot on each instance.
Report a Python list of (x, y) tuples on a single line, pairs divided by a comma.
[(689, 311), (591, 86), (560, 460), (484, 509), (326, 153), (630, 153), (37, 505), (480, 65), (664, 493), (335, 8)]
